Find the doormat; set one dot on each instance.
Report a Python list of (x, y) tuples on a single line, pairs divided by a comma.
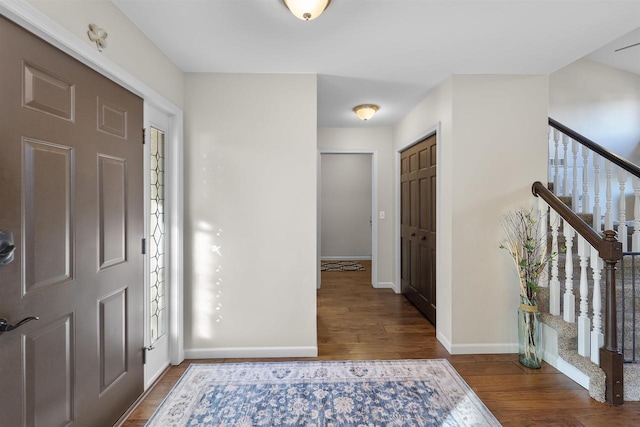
[(341, 266), (346, 393)]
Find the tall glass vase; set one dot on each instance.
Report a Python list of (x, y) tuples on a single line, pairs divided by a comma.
[(529, 336)]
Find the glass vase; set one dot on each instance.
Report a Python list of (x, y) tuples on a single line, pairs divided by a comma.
[(529, 336)]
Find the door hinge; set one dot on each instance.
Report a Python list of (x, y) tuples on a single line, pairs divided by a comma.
[(144, 136), (144, 353), (144, 246)]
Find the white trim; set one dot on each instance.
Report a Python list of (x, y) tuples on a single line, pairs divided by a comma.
[(27, 16), (444, 341), (572, 372), (374, 206), (249, 352), (158, 374), (346, 258), (482, 348), (387, 285)]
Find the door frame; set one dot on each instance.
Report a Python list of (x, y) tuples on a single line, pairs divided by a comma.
[(374, 209), (37, 23), (433, 130)]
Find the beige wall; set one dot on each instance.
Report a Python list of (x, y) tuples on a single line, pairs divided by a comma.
[(600, 102), (127, 45), (379, 140), (492, 131), (250, 215)]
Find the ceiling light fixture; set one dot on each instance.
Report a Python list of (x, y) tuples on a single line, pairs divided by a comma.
[(306, 9), (365, 111)]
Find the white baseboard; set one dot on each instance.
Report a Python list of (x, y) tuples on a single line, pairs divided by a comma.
[(249, 352), (484, 348), (386, 285), (346, 258), (444, 341)]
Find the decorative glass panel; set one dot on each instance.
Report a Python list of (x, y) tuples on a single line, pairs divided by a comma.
[(157, 234)]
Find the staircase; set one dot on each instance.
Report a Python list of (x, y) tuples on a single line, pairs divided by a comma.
[(581, 338)]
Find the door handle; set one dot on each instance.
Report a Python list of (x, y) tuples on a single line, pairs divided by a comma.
[(7, 248), (6, 327)]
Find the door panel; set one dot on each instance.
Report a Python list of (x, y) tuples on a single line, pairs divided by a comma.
[(47, 214), (418, 225), (71, 192), (49, 365)]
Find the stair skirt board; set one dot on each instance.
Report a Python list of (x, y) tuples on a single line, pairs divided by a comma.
[(550, 355)]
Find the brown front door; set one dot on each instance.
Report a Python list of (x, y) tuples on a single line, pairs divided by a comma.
[(418, 225), (71, 194)]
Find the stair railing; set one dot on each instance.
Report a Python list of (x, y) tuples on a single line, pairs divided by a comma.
[(599, 344), (583, 183)]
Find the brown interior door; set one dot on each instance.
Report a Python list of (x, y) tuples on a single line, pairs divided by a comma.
[(418, 225), (71, 193)]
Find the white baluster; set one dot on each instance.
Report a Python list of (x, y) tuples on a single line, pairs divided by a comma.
[(584, 324), (574, 190), (597, 335), (608, 214), (565, 166), (569, 314), (635, 240), (622, 227), (554, 283), (585, 180), (597, 220), (556, 160), (543, 224)]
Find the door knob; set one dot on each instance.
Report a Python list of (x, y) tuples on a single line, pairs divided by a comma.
[(6, 327), (423, 238)]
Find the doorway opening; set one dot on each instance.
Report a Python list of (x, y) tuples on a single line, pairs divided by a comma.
[(347, 206)]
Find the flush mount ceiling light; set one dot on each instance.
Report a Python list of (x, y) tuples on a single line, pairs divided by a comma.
[(365, 111), (306, 9)]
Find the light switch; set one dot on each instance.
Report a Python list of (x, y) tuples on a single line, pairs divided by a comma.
[(381, 214)]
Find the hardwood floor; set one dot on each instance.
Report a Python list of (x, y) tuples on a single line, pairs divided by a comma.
[(356, 321)]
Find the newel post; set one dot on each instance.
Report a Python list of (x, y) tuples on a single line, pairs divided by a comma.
[(611, 360)]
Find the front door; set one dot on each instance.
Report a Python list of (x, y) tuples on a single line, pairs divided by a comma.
[(418, 225), (71, 194)]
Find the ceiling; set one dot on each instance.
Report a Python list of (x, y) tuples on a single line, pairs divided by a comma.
[(387, 52)]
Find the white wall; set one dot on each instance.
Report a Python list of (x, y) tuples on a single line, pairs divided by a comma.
[(250, 207), (127, 45), (345, 199), (380, 141), (600, 102), (491, 149)]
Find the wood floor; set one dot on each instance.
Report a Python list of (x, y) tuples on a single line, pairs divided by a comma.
[(356, 321)]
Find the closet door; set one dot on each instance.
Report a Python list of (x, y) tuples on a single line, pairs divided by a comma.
[(418, 225)]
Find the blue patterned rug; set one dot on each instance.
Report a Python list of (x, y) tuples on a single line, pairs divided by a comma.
[(323, 394)]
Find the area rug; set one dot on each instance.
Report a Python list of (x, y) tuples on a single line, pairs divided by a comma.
[(323, 394), (341, 266)]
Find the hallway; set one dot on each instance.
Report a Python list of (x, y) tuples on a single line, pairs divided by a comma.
[(356, 321)]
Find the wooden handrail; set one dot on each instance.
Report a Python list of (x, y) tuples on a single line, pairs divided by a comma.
[(595, 147), (539, 190), (610, 250)]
